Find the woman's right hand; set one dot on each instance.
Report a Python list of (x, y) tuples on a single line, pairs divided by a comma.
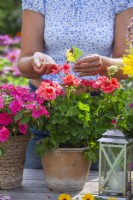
[(42, 63)]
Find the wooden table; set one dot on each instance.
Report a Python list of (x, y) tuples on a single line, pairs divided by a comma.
[(34, 188)]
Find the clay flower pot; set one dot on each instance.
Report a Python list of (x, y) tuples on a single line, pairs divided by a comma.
[(65, 169)]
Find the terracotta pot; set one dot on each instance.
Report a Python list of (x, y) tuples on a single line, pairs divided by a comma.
[(12, 163), (65, 169)]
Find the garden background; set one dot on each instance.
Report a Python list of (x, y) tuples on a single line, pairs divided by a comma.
[(10, 38)]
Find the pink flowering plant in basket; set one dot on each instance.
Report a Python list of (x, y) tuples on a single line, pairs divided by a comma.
[(19, 110)]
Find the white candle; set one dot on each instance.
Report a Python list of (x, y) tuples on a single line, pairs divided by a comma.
[(114, 183)]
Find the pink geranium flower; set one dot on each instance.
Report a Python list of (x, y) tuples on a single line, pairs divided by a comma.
[(30, 106), (113, 122), (58, 88), (88, 83), (106, 84), (4, 134), (101, 80), (15, 106), (71, 80), (8, 88), (39, 111), (115, 83), (1, 102), (48, 90), (23, 128), (56, 69), (66, 68), (107, 87), (5, 119)]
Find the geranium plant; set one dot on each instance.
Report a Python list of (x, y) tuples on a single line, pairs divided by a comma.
[(114, 108), (19, 110), (118, 105), (80, 110)]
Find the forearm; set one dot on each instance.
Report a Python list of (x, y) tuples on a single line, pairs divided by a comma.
[(106, 62)]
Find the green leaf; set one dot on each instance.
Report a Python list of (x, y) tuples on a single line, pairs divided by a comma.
[(25, 120), (77, 52), (83, 106), (74, 133), (18, 116), (63, 107), (73, 111)]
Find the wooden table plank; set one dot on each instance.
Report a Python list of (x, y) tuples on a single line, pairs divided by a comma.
[(34, 187)]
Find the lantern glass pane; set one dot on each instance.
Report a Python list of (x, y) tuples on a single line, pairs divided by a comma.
[(112, 169), (128, 167)]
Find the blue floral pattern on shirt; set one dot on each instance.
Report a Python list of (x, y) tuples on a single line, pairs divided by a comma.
[(87, 24)]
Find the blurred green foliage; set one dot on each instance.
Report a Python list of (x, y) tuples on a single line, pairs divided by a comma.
[(10, 17)]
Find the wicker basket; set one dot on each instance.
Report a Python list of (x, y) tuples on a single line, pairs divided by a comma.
[(12, 163)]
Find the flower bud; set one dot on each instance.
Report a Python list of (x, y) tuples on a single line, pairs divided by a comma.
[(112, 69)]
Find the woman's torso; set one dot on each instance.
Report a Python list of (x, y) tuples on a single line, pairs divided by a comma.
[(87, 24)]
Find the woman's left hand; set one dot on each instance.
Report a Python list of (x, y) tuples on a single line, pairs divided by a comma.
[(89, 65)]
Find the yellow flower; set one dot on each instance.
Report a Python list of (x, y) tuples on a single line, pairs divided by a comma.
[(64, 197), (70, 56), (128, 64), (112, 198), (88, 197)]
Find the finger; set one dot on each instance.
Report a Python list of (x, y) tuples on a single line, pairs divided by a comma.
[(81, 66), (45, 69), (89, 58), (48, 68), (87, 67), (88, 72), (41, 69), (36, 63)]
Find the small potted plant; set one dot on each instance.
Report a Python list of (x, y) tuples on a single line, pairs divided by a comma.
[(19, 110)]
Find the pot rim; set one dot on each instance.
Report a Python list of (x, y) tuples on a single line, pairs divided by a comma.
[(80, 149)]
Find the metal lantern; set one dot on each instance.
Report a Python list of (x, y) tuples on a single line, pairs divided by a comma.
[(115, 165)]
